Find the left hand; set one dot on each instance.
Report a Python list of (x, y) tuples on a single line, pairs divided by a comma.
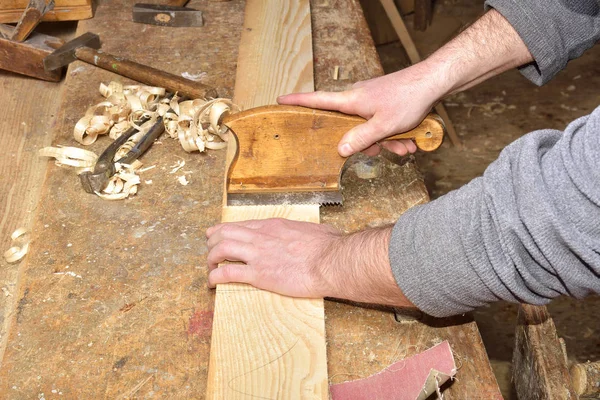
[(302, 259)]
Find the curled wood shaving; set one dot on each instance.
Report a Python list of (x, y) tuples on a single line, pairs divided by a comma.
[(20, 248), (123, 183), (83, 160), (197, 124)]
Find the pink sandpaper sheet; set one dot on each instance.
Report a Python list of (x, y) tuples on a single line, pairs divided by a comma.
[(413, 378)]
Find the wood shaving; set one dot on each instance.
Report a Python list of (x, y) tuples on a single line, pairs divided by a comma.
[(183, 180), (197, 124), (194, 77), (82, 160), (180, 164), (20, 246)]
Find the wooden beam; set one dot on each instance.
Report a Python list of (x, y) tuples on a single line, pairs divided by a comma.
[(415, 57), (265, 345), (539, 363)]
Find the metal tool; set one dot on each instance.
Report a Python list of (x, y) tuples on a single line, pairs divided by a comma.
[(95, 181), (84, 48), (22, 51), (288, 154), (173, 14)]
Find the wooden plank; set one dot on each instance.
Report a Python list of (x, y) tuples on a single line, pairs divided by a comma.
[(265, 344), (29, 107), (539, 364), (64, 10), (277, 348), (415, 57), (275, 55)]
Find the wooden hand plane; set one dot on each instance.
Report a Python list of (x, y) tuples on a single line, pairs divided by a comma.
[(288, 154)]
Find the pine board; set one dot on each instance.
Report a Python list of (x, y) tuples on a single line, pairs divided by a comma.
[(263, 344)]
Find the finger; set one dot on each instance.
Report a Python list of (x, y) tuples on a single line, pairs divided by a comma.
[(361, 136), (411, 146), (373, 150), (396, 146), (340, 101), (251, 223), (232, 231), (230, 250), (231, 273)]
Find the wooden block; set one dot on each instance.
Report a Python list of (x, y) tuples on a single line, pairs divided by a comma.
[(265, 345), (26, 58), (64, 10), (539, 364)]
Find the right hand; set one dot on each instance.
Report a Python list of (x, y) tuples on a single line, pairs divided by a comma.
[(392, 104)]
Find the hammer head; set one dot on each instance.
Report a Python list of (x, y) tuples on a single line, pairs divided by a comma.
[(66, 54)]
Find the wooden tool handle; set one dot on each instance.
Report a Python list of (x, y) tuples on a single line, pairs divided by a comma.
[(145, 74), (428, 135), (30, 19), (289, 148)]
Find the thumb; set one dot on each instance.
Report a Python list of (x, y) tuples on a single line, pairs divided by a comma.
[(361, 137)]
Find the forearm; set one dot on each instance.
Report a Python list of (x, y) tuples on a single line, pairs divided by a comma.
[(487, 48), (357, 267), (527, 231)]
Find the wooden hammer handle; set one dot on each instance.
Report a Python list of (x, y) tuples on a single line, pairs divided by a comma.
[(145, 74)]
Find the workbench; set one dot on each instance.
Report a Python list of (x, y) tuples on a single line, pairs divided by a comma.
[(112, 299)]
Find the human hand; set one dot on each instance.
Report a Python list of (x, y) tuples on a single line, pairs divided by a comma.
[(392, 104), (303, 259)]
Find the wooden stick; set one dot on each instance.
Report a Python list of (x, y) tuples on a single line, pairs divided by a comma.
[(265, 345), (415, 57)]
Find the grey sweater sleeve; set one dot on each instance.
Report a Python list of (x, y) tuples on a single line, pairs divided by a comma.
[(554, 31), (527, 231)]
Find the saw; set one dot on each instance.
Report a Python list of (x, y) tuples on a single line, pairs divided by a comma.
[(288, 154)]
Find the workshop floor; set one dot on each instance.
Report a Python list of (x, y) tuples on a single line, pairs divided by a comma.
[(487, 118)]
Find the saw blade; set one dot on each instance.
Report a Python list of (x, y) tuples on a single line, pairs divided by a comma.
[(284, 198)]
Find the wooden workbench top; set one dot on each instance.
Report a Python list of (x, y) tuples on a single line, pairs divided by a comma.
[(133, 315)]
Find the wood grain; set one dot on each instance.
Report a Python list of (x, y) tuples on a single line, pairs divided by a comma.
[(539, 364), (263, 344), (275, 55), (64, 10), (277, 147), (27, 126)]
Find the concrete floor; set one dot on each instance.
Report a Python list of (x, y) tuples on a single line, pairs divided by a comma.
[(487, 118)]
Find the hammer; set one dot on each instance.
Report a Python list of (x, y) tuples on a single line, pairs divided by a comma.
[(84, 48)]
